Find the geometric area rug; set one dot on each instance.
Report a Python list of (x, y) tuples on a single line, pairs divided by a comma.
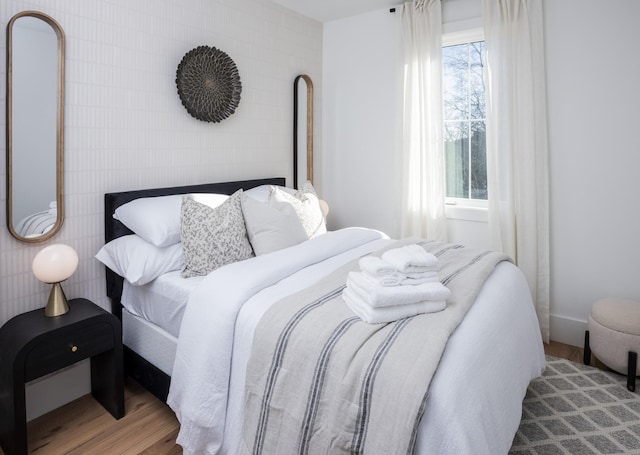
[(578, 409)]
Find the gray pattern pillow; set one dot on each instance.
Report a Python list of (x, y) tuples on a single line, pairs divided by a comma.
[(211, 237)]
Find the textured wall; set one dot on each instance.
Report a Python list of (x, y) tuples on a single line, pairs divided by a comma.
[(126, 128)]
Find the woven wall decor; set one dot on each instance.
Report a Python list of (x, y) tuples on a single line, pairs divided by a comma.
[(208, 84)]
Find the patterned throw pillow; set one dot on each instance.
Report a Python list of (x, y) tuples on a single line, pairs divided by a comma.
[(212, 237), (306, 204)]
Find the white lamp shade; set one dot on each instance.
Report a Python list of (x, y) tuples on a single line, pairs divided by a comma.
[(324, 207), (55, 263)]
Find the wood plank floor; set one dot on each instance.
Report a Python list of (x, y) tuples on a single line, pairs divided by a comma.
[(149, 427), (84, 427)]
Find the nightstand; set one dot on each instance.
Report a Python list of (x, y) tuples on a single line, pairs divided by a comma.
[(32, 345)]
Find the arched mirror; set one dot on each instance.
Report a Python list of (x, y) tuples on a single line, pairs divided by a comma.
[(302, 130), (35, 126)]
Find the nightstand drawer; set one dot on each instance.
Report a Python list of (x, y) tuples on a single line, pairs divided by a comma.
[(66, 347)]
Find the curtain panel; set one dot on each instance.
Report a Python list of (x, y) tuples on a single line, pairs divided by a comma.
[(421, 154), (517, 143)]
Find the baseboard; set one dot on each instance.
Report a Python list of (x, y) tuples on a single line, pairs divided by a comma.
[(56, 389), (567, 330)]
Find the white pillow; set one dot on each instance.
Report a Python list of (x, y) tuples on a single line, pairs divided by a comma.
[(271, 228), (212, 200), (261, 193), (138, 261), (157, 219), (306, 205)]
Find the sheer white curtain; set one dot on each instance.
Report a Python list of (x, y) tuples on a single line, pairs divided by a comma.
[(517, 145), (421, 161)]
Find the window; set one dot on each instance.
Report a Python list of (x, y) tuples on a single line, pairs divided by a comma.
[(464, 121)]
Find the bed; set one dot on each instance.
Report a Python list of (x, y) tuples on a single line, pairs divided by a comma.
[(473, 404)]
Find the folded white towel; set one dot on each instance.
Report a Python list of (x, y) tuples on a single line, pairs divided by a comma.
[(411, 258), (376, 266), (388, 314), (402, 279), (394, 279), (426, 277), (428, 271), (377, 296)]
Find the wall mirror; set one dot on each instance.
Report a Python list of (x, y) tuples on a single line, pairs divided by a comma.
[(302, 130), (35, 126)]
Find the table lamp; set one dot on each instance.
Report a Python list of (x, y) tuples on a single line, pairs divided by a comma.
[(324, 207), (54, 264)]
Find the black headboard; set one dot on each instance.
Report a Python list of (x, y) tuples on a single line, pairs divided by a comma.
[(114, 228)]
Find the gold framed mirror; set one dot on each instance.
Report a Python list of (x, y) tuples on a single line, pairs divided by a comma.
[(35, 126), (302, 130)]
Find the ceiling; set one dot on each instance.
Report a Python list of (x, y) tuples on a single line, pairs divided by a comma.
[(329, 10)]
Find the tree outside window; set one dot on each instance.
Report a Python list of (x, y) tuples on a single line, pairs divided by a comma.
[(464, 121)]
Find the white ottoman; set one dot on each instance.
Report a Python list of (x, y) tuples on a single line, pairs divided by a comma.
[(614, 336)]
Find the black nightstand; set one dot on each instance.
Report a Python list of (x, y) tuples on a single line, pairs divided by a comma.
[(32, 345)]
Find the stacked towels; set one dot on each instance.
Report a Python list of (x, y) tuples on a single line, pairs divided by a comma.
[(403, 282)]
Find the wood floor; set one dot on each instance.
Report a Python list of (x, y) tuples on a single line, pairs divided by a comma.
[(84, 427), (148, 427)]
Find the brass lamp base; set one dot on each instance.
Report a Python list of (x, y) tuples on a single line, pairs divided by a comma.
[(57, 304)]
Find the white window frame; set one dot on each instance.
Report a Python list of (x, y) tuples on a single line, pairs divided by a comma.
[(465, 208)]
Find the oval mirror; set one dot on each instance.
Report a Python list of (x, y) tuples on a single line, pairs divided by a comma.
[(35, 126), (302, 130)]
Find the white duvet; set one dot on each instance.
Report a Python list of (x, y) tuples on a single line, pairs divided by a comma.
[(475, 397)]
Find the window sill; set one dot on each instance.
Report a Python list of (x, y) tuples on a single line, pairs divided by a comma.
[(467, 213)]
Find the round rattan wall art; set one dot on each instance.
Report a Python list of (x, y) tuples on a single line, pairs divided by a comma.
[(208, 84)]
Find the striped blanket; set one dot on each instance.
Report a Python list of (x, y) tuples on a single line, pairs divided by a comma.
[(322, 381)]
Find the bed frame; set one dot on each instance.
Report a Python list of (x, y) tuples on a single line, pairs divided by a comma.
[(150, 377)]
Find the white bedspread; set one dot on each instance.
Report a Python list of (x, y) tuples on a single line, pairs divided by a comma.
[(200, 379), (499, 332)]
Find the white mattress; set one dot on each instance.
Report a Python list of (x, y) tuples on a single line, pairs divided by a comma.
[(162, 301), (149, 341)]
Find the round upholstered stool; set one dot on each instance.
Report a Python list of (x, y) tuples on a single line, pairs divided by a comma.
[(614, 336)]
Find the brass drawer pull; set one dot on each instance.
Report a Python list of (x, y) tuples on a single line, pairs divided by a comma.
[(74, 348)]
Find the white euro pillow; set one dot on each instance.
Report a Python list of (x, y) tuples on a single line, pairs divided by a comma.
[(261, 193), (212, 200), (139, 261), (271, 228), (306, 206)]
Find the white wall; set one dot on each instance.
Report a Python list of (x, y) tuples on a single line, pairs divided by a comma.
[(126, 128), (360, 61), (592, 79), (592, 67)]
